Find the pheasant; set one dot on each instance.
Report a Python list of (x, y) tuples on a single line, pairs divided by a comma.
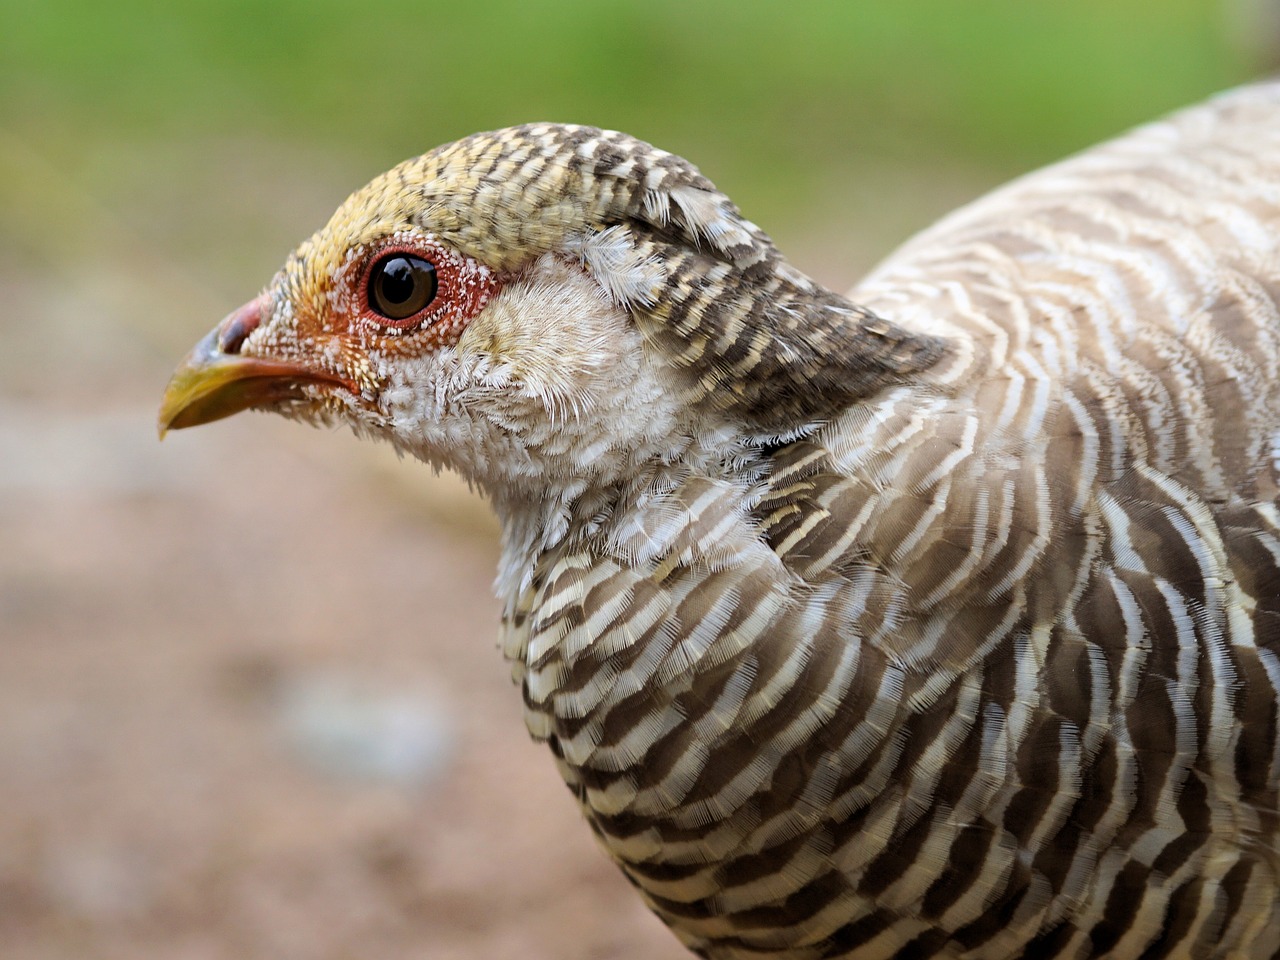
[(939, 621)]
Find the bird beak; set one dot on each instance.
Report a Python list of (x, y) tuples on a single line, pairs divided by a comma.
[(214, 380)]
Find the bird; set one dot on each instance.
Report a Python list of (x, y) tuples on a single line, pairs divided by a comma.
[(941, 619)]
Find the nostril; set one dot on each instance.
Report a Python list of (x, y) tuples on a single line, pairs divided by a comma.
[(238, 325)]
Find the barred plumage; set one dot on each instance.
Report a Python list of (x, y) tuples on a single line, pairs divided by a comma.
[(942, 625)]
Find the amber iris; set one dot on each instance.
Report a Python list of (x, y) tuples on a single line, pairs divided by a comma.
[(401, 285)]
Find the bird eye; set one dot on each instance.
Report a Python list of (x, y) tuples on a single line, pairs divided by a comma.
[(401, 285)]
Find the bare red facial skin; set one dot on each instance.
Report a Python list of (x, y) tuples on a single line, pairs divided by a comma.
[(463, 288)]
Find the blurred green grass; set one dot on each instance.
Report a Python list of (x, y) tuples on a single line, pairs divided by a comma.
[(203, 123), (984, 75)]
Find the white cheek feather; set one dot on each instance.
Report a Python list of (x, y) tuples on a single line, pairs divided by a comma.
[(550, 403), (629, 276)]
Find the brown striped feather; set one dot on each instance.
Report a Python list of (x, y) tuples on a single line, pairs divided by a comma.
[(987, 665)]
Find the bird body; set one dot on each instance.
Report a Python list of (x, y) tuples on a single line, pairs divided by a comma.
[(939, 621)]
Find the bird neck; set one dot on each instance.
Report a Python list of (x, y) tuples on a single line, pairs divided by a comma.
[(597, 513)]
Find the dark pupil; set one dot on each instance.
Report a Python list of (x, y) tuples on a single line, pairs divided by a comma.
[(401, 285)]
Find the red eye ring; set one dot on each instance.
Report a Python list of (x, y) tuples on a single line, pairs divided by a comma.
[(396, 308), (400, 286)]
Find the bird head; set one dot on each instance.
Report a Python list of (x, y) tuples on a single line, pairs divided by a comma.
[(546, 302)]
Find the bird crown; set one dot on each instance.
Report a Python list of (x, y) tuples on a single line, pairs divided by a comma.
[(760, 341)]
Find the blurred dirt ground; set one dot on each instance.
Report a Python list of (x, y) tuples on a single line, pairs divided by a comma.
[(251, 704)]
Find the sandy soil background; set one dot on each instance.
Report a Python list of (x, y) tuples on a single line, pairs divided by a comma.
[(250, 706)]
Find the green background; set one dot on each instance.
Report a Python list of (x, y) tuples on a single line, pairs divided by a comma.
[(218, 133)]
